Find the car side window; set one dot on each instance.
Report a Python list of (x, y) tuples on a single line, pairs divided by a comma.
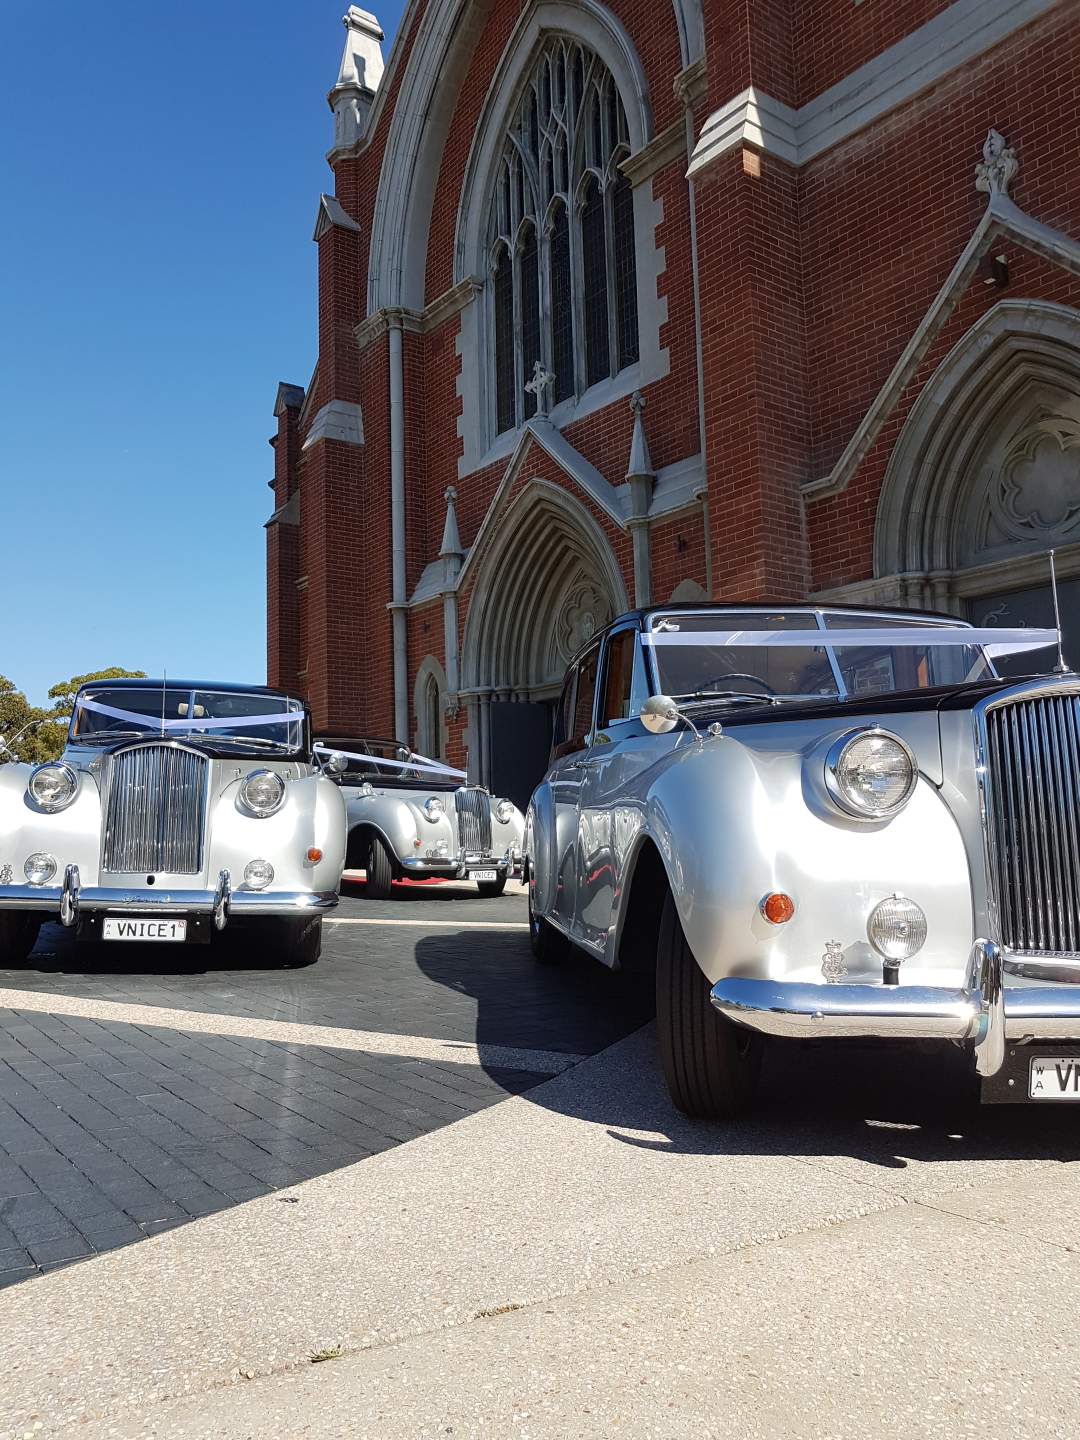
[(583, 705), (564, 715), (617, 703)]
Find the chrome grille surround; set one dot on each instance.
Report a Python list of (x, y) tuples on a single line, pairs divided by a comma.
[(473, 808), (1028, 746), (155, 810)]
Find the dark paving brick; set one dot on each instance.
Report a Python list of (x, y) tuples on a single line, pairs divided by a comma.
[(110, 1132)]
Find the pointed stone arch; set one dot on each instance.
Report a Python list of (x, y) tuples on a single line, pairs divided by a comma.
[(986, 473), (546, 579), (548, 576)]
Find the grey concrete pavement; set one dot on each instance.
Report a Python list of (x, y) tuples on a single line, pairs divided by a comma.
[(933, 1319), (589, 1191)]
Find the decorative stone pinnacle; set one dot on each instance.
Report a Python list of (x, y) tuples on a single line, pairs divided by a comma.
[(539, 385), (640, 463), (451, 540), (998, 165)]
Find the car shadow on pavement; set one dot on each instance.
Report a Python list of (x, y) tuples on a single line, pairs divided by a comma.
[(887, 1104)]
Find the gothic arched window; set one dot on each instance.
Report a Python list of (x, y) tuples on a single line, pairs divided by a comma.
[(561, 237)]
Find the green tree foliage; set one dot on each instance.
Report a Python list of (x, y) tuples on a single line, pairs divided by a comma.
[(43, 735), (63, 694)]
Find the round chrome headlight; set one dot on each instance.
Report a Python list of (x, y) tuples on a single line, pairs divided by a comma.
[(262, 792), (897, 928), (52, 786), (433, 807), (871, 774), (258, 874), (504, 811), (39, 868)]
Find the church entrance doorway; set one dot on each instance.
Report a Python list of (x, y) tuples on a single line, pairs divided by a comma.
[(546, 582)]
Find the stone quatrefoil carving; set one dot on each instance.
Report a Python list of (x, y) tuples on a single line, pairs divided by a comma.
[(584, 611), (1039, 490)]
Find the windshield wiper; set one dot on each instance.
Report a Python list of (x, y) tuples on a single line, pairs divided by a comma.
[(702, 697), (258, 742), (99, 736)]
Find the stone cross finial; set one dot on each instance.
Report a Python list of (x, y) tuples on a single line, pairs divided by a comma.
[(998, 165), (541, 382)]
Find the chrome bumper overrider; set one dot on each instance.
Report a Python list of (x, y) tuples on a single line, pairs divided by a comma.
[(983, 1013), (68, 899)]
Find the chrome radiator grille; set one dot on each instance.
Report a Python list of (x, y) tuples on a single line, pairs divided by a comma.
[(474, 819), (1033, 757), (156, 808)]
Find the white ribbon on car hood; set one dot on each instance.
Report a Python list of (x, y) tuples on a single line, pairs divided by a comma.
[(189, 723), (996, 641), (417, 762)]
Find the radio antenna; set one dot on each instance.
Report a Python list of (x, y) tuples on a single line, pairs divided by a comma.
[(1061, 667), (163, 702)]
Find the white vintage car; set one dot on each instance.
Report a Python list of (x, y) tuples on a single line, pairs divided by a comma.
[(820, 822), (414, 817), (176, 809)]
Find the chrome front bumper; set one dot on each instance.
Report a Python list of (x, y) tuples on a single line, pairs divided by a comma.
[(66, 901), (457, 867), (984, 1013)]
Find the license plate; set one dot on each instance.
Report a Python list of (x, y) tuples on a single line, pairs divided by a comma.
[(483, 874), (118, 928), (1054, 1078)]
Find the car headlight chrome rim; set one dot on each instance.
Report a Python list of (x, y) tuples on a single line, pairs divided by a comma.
[(433, 808), (871, 774), (262, 793), (504, 811), (53, 786)]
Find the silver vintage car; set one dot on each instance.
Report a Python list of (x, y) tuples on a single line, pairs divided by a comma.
[(820, 822), (413, 817), (176, 809)]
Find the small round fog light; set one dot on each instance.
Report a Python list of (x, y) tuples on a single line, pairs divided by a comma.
[(258, 874), (896, 929), (504, 811), (39, 868)]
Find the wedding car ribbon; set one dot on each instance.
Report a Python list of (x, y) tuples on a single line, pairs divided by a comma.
[(189, 722), (418, 762), (997, 641)]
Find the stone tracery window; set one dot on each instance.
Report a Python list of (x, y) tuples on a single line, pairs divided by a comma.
[(561, 237)]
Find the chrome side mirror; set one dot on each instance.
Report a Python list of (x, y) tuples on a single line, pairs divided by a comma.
[(659, 714), (335, 763)]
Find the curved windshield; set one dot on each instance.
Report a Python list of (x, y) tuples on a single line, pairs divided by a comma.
[(378, 760), (703, 655), (713, 655), (225, 717)]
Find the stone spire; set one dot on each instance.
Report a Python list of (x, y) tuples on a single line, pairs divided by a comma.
[(640, 463), (451, 540), (641, 477), (358, 79)]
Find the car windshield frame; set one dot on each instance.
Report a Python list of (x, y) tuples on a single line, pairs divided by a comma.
[(824, 621), (189, 713)]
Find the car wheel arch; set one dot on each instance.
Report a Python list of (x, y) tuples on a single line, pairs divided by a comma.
[(645, 885)]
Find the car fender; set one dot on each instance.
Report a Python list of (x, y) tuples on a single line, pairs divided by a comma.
[(733, 823)]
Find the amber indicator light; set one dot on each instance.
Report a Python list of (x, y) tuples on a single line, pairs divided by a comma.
[(314, 855), (778, 908)]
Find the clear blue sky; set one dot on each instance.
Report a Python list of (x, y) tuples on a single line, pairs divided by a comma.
[(160, 171)]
